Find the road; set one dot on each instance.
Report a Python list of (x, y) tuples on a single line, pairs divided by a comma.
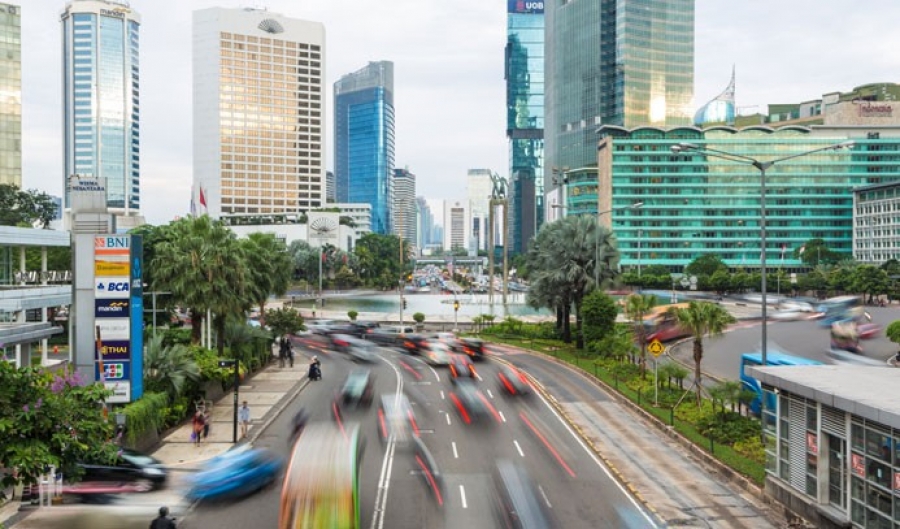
[(722, 355), (575, 486)]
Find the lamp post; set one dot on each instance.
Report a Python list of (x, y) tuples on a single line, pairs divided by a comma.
[(560, 178), (763, 167), (636, 205)]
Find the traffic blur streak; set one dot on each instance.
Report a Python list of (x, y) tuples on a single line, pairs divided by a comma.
[(471, 403), (321, 485), (548, 440), (427, 464), (234, 474), (516, 499)]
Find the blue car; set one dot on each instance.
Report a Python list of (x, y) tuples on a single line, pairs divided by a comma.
[(234, 474)]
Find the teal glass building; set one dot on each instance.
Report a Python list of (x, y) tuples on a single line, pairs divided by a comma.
[(524, 74), (101, 99), (364, 140), (696, 205), (628, 63)]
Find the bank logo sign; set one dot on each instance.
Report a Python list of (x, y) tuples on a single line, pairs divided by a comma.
[(112, 287), (113, 371), (121, 392), (112, 308), (111, 268), (114, 328)]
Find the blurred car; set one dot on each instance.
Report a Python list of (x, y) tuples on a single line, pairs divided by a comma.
[(365, 327), (868, 331), (319, 326), (448, 338), (513, 381), (340, 327), (471, 404), (461, 366), (473, 347), (517, 500), (358, 389), (357, 349), (436, 353), (128, 466), (414, 344), (388, 335), (790, 315), (396, 418), (794, 305), (234, 474)]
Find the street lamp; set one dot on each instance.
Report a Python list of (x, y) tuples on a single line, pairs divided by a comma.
[(762, 166), (636, 205)]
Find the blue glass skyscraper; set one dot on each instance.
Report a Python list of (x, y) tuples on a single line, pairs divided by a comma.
[(101, 98), (524, 74), (364, 139)]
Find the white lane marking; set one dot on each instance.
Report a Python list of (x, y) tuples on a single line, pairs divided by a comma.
[(448, 419), (544, 495), (597, 460), (519, 448), (387, 463), (462, 494), (491, 395), (502, 418), (455, 453), (479, 377), (442, 395)]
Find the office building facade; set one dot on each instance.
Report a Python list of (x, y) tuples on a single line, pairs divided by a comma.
[(628, 63), (364, 139), (424, 223), (10, 95), (259, 107), (455, 228), (101, 99), (876, 223), (695, 205), (404, 201), (479, 187), (524, 74)]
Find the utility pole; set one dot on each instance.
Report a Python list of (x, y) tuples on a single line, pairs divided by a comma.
[(400, 282)]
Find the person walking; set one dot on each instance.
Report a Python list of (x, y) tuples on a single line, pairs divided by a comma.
[(207, 420), (197, 424), (244, 419), (163, 521)]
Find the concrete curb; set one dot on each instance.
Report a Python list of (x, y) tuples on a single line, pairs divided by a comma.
[(723, 470), (612, 468), (276, 410)]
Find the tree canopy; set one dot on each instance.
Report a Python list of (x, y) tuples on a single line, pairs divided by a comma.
[(25, 208)]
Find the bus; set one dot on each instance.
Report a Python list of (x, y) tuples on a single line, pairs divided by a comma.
[(660, 324), (772, 359), (839, 309), (321, 485)]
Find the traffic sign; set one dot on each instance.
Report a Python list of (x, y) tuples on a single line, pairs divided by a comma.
[(656, 348)]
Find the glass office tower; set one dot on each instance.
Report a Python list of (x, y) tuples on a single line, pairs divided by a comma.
[(612, 62), (10, 95), (696, 205), (101, 99), (364, 139), (524, 75)]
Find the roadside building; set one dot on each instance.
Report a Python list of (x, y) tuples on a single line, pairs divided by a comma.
[(833, 443)]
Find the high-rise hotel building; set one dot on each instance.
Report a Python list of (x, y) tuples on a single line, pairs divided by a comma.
[(259, 131), (404, 201), (364, 139), (10, 95), (101, 99), (627, 63)]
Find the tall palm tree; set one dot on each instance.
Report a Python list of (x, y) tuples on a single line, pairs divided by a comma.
[(636, 307), (203, 265), (168, 368), (269, 266), (702, 318)]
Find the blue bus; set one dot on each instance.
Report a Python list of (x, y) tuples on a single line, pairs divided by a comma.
[(772, 359)]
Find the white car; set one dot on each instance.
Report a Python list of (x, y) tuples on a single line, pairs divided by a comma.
[(790, 315), (790, 305)]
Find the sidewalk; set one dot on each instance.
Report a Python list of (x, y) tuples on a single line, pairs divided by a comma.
[(267, 393)]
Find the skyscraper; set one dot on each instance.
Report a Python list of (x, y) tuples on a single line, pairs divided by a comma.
[(330, 187), (364, 139), (424, 223), (10, 95), (478, 191), (259, 135), (455, 230), (524, 74), (101, 99), (404, 201), (626, 63)]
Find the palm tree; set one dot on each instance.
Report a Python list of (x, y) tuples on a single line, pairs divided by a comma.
[(636, 307), (168, 368), (269, 266), (702, 318), (203, 265), (241, 339)]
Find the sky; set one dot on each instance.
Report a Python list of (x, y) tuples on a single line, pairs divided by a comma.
[(449, 92)]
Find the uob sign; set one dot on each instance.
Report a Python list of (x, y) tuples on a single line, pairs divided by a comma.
[(523, 6)]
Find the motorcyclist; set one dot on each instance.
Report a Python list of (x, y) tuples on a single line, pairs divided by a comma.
[(298, 423), (315, 369), (163, 521)]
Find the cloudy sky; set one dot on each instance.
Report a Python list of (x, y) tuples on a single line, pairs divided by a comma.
[(449, 88)]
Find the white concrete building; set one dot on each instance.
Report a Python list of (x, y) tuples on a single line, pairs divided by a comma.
[(404, 206), (456, 227), (478, 193), (259, 106)]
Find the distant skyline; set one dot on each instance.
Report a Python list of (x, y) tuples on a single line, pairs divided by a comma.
[(449, 87)]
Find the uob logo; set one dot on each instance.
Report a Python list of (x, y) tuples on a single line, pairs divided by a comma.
[(529, 6)]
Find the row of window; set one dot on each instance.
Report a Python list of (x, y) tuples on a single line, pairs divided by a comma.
[(275, 43)]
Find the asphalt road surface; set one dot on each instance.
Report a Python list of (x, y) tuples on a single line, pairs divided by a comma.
[(722, 355), (576, 488)]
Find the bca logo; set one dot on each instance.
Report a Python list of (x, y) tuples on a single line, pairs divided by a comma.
[(113, 286)]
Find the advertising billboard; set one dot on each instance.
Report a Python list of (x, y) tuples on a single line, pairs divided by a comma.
[(112, 308), (117, 329), (114, 350), (121, 392), (111, 268), (112, 287), (525, 7), (114, 371)]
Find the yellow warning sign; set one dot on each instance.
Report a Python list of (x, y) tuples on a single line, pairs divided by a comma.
[(656, 348)]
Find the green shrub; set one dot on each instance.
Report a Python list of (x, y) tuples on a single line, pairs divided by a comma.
[(418, 317), (177, 336), (352, 314), (728, 428), (751, 448), (144, 416)]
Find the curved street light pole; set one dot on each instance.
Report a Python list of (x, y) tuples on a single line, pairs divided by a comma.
[(636, 205)]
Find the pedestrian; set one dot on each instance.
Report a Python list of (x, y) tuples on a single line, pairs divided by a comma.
[(315, 369), (197, 427), (163, 521), (244, 419), (206, 422)]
